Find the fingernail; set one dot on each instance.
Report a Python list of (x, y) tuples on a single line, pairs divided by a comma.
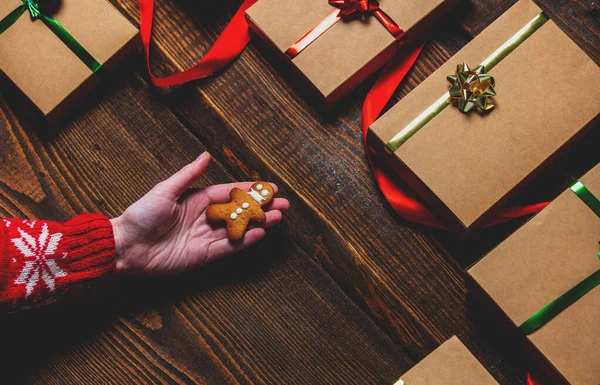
[(202, 156)]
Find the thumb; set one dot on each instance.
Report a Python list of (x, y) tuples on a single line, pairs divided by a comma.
[(184, 178)]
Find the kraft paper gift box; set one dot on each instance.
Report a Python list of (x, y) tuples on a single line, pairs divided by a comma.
[(352, 49), (450, 364), (465, 165), (551, 259), (44, 70)]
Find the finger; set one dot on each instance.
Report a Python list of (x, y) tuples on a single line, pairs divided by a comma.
[(273, 218), (225, 247), (184, 178), (220, 193), (280, 204)]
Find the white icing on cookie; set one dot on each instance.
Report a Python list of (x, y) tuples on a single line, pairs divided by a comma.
[(264, 193), (233, 216), (259, 187), (256, 196), (239, 211), (245, 205)]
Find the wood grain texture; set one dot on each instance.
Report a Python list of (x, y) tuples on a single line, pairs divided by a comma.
[(262, 317), (16, 174), (344, 291)]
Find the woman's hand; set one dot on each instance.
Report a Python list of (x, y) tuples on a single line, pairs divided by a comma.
[(166, 231)]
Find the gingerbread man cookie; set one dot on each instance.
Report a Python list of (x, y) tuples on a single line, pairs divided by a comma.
[(244, 207)]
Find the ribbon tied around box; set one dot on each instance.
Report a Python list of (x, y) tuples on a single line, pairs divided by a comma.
[(479, 85), (345, 8), (36, 14), (561, 303)]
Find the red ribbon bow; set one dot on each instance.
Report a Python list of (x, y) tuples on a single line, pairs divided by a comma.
[(345, 8), (348, 7)]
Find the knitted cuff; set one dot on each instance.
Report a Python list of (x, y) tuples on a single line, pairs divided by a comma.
[(42, 262)]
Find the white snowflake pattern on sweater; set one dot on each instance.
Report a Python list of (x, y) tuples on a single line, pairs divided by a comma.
[(36, 252)]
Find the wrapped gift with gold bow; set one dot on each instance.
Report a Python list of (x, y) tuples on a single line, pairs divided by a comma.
[(336, 44), (482, 125), (542, 284), (450, 364), (53, 52)]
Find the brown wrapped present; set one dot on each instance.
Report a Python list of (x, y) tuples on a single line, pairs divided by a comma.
[(450, 364), (357, 44), (542, 283), (467, 150), (51, 73)]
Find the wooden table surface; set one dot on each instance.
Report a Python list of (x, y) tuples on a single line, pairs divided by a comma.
[(342, 292)]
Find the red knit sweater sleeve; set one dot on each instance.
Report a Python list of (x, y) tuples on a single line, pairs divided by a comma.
[(42, 262)]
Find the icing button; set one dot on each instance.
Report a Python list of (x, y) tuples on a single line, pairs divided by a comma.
[(239, 211), (245, 205), (233, 216)]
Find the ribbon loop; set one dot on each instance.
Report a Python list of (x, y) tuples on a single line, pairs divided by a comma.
[(348, 7), (345, 8), (33, 7), (228, 46)]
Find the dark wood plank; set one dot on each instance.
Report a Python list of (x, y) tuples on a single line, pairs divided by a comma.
[(16, 173), (269, 315)]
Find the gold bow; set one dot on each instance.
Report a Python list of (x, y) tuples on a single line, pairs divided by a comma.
[(472, 88)]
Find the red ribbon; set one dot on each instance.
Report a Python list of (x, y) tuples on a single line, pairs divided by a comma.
[(236, 36), (228, 46), (531, 380), (345, 8), (405, 204)]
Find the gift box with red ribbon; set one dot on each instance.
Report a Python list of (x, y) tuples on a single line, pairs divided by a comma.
[(487, 121), (450, 364), (53, 53), (541, 286), (336, 44)]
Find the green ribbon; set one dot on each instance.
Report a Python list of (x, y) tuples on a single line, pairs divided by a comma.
[(34, 10), (490, 62), (586, 196), (550, 311)]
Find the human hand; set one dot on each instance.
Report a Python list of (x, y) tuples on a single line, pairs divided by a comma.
[(166, 232)]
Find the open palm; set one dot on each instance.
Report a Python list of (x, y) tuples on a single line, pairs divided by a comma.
[(167, 232)]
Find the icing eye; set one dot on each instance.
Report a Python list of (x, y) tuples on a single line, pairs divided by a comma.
[(264, 193), (233, 216), (259, 187), (239, 211), (245, 205)]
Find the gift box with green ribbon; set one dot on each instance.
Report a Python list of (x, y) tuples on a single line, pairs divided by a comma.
[(491, 118), (450, 364), (54, 51), (543, 284)]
